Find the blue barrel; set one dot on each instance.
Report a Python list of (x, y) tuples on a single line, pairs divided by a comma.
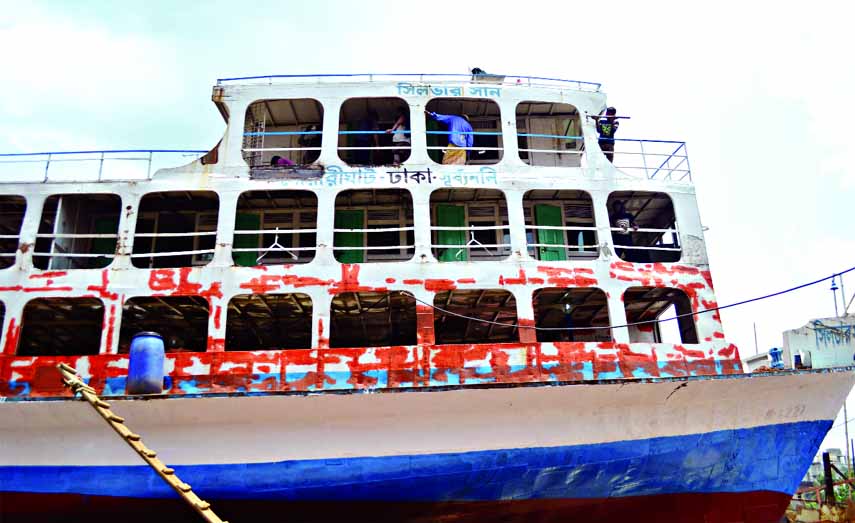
[(145, 368)]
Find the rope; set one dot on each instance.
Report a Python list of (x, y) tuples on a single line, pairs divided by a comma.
[(610, 327)]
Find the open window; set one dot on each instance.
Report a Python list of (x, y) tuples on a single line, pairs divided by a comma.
[(560, 225), (644, 226), (282, 134), (549, 134), (182, 322), (269, 322), (61, 327), (581, 314), (469, 224), (12, 209), (372, 319), (374, 131), (485, 146), (275, 227), (78, 231), (475, 316), (374, 225), (659, 303), (176, 229)]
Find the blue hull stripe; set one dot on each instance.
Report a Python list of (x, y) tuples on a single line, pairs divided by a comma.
[(768, 458)]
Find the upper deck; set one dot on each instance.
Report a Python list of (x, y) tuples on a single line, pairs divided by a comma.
[(365, 247)]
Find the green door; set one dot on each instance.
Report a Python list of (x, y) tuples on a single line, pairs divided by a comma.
[(451, 216), (350, 220), (436, 140), (549, 215), (105, 225), (246, 222)]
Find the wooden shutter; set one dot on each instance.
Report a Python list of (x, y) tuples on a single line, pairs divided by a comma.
[(549, 215), (350, 220), (451, 216)]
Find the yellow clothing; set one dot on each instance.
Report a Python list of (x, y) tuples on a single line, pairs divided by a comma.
[(454, 155)]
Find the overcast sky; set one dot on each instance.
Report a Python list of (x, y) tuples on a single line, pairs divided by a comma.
[(761, 92)]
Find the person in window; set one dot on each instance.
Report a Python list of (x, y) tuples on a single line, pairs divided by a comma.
[(279, 161), (310, 140), (625, 221), (459, 137), (367, 138), (401, 138), (607, 127)]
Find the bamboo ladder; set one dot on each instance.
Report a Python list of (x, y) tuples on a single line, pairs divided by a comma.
[(73, 382)]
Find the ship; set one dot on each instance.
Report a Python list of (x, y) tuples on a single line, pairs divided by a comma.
[(373, 311)]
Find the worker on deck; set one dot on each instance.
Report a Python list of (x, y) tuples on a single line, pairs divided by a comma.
[(607, 127), (460, 137)]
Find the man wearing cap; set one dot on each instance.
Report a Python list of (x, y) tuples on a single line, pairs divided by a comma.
[(459, 137)]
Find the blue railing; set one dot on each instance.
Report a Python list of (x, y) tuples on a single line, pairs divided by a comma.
[(88, 165), (539, 81)]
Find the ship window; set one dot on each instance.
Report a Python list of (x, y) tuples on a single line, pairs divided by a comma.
[(372, 319), (579, 310), (78, 231), (61, 327), (469, 224), (560, 225), (374, 225), (486, 121), (470, 316), (549, 134), (281, 215), (651, 303), (182, 322), (363, 138), (656, 238), (269, 322), (12, 209), (291, 129), (176, 229)]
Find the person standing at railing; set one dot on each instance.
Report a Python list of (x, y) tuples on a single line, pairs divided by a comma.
[(460, 137), (625, 221), (401, 139), (607, 127)]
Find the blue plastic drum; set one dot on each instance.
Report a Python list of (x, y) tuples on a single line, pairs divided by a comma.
[(145, 368)]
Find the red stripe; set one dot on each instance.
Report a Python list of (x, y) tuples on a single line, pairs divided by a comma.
[(747, 507)]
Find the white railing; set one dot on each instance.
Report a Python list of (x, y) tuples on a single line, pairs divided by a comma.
[(653, 159), (425, 79), (91, 166)]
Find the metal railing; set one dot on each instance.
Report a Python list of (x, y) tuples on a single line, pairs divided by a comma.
[(431, 78), (91, 166), (653, 159)]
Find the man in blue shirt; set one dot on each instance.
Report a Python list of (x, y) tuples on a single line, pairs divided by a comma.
[(459, 137)]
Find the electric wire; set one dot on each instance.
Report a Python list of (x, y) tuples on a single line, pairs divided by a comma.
[(644, 322)]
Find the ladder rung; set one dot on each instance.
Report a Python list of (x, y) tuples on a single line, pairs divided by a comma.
[(117, 419), (132, 436), (168, 471)]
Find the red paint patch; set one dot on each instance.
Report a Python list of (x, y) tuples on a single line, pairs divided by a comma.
[(390, 280), (49, 274), (102, 289), (437, 285), (466, 280), (218, 312), (12, 335)]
